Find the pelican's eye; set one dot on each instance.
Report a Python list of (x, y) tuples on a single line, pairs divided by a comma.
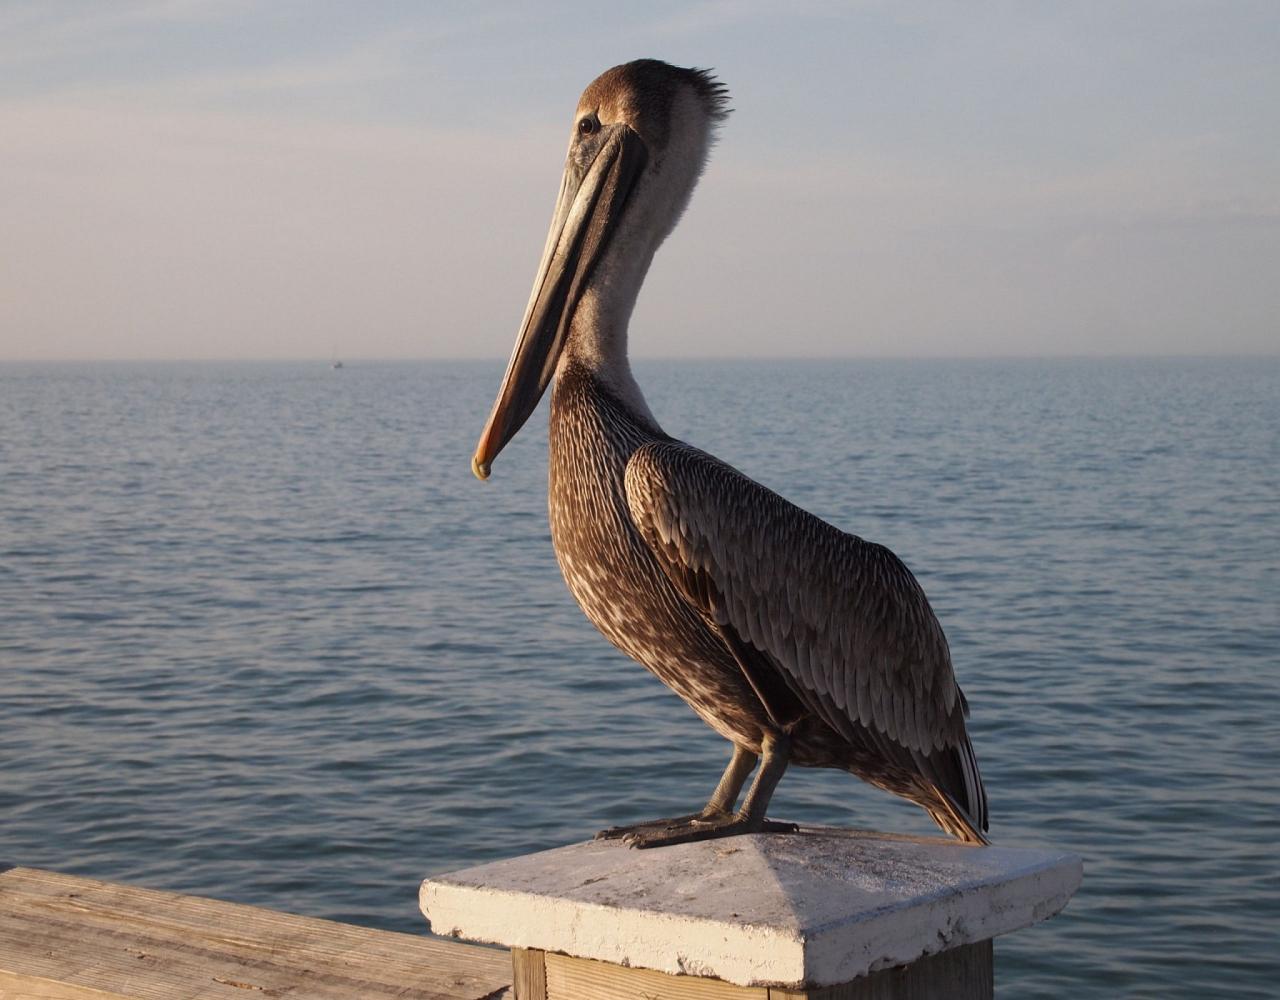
[(588, 125)]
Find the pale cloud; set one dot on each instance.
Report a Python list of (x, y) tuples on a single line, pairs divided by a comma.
[(714, 15), (929, 182), (143, 233), (36, 32)]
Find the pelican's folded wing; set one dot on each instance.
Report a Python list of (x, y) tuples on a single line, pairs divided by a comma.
[(842, 618)]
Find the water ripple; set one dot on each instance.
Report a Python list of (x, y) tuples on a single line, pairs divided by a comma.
[(264, 638)]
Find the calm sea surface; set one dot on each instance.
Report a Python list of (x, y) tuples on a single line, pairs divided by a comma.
[(263, 637)]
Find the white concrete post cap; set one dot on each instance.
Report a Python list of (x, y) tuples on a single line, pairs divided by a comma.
[(817, 908)]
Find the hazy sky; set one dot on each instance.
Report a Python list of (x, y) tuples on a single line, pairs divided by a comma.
[(191, 179)]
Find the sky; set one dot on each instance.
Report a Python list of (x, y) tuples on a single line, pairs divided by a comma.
[(187, 179)]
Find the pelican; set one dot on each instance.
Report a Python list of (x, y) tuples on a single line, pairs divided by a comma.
[(796, 642)]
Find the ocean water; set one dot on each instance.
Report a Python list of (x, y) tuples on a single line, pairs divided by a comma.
[(264, 638)]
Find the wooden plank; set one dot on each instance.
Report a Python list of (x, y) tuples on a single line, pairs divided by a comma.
[(586, 979), (144, 944), (13, 987), (529, 974), (964, 973)]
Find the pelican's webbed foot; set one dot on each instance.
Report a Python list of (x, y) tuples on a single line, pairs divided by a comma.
[(654, 835), (655, 826), (718, 809), (717, 818)]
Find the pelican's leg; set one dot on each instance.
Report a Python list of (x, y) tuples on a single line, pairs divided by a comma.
[(776, 751), (720, 805)]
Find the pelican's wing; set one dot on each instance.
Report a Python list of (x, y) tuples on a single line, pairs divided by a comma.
[(841, 618)]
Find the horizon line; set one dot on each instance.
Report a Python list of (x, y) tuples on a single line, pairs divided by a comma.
[(698, 358)]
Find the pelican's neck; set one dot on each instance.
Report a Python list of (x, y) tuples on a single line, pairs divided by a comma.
[(597, 339), (598, 329)]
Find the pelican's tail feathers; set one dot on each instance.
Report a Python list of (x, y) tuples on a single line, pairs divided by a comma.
[(953, 820)]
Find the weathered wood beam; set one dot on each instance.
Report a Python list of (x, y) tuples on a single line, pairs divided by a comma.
[(68, 938), (963, 973)]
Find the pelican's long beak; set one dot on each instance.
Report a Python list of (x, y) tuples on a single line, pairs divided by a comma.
[(590, 203)]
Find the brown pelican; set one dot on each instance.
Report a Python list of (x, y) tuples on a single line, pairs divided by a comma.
[(795, 641)]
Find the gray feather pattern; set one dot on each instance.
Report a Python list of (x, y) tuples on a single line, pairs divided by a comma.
[(844, 617)]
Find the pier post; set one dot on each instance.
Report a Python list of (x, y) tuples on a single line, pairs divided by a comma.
[(823, 914)]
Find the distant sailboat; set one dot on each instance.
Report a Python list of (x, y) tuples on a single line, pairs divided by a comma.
[(336, 364)]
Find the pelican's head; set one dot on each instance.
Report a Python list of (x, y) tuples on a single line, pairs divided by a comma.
[(640, 138)]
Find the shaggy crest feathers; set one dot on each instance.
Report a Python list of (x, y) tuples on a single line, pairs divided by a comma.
[(643, 92), (715, 95)]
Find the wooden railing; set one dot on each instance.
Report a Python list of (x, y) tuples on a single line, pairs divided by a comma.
[(63, 937)]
